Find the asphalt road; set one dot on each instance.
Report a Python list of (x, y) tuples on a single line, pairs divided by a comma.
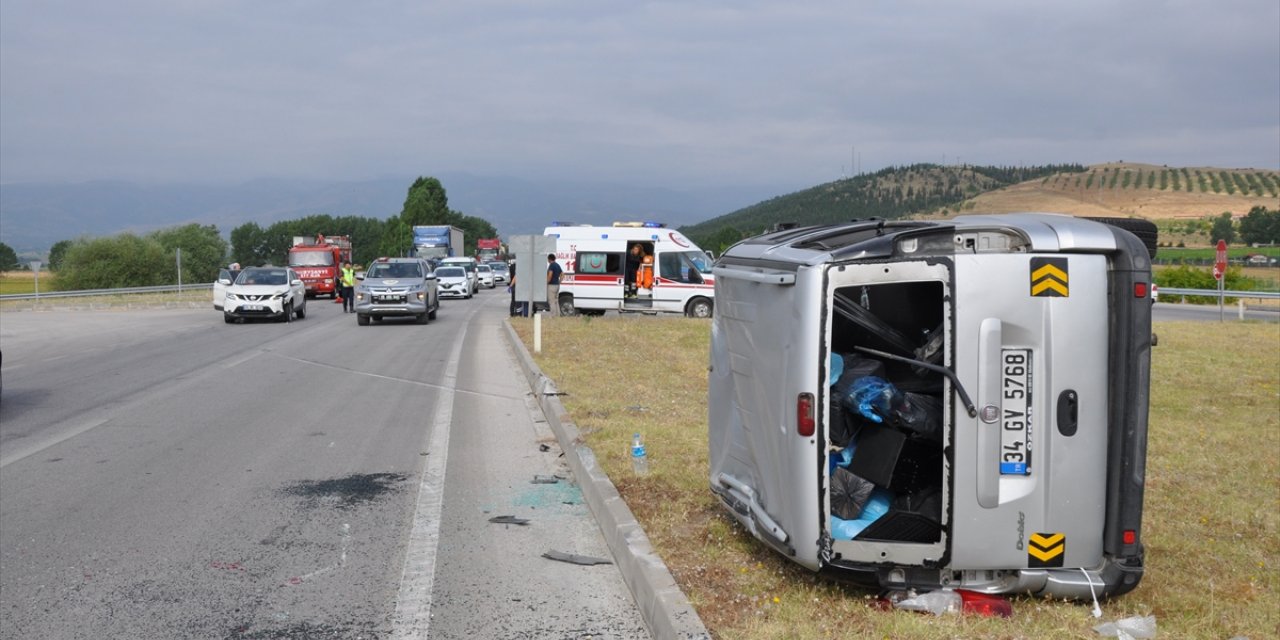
[(165, 475)]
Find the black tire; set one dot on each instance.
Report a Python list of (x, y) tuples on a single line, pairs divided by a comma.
[(431, 315), (302, 311), (362, 319), (226, 317), (566, 306), (699, 308), (288, 312), (1146, 230)]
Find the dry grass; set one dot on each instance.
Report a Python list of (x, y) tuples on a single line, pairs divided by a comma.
[(1142, 202), (1210, 525)]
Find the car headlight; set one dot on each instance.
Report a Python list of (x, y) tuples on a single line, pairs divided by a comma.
[(359, 296), (231, 296), (421, 295), (280, 296)]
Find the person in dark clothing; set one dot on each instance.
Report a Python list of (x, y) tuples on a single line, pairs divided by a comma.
[(554, 271), (634, 255)]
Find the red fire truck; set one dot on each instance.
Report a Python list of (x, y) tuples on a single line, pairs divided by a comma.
[(318, 261)]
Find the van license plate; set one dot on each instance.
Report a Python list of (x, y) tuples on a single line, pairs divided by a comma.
[(1015, 421)]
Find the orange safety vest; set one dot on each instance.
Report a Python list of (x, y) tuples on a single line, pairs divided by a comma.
[(644, 275)]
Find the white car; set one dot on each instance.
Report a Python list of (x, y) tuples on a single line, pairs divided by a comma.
[(485, 275), (468, 264), (454, 282), (265, 292)]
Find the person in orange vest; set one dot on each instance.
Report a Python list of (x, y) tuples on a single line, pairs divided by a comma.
[(644, 275)]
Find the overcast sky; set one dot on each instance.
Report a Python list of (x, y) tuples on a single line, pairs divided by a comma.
[(682, 93)]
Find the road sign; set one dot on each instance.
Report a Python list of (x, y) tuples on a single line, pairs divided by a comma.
[(1220, 262)]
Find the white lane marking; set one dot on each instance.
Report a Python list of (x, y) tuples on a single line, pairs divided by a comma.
[(28, 451), (413, 602)]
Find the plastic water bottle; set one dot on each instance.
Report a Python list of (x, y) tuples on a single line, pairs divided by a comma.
[(639, 461)]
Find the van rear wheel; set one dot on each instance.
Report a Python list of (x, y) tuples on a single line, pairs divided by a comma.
[(566, 306), (699, 308)]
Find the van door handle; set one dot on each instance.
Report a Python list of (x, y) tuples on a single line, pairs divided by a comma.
[(990, 342), (1068, 412)]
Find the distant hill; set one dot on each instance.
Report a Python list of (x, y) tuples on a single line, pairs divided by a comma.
[(933, 191)]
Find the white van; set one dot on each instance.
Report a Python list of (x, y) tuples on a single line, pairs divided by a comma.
[(959, 403), (600, 270)]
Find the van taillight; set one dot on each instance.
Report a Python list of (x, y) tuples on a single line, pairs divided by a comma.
[(1130, 536), (804, 414), (1139, 289)]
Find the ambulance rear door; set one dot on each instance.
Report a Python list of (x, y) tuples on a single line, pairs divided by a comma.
[(597, 278)]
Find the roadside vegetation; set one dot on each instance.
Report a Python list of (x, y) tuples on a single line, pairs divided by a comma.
[(1211, 525)]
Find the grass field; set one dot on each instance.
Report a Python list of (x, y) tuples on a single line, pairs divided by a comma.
[(1213, 490), (24, 282)]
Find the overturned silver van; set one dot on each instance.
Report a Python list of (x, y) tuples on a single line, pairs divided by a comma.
[(928, 404)]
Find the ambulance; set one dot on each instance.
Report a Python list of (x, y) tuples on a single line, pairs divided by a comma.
[(641, 267)]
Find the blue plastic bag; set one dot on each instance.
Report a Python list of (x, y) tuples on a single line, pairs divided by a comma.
[(873, 398)]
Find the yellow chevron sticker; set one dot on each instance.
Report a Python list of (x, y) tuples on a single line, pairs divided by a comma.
[(1046, 549), (1049, 277)]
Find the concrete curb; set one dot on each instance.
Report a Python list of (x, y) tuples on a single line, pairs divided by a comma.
[(663, 606)]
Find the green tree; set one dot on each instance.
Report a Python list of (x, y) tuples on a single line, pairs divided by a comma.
[(248, 245), (1260, 226), (8, 259), (473, 229), (56, 253), (1222, 229), (203, 250), (125, 260), (396, 240), (426, 203)]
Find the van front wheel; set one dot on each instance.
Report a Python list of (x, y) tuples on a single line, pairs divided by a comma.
[(699, 308)]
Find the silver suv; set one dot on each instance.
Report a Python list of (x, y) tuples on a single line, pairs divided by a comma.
[(397, 287)]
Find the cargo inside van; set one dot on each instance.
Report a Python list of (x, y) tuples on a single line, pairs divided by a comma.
[(886, 424)]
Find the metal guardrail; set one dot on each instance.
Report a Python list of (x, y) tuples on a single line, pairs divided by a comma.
[(1213, 293), (165, 288)]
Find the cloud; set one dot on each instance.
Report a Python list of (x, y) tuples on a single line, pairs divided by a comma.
[(676, 92)]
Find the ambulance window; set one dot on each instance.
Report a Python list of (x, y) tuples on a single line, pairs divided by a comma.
[(700, 260), (677, 266), (599, 262)]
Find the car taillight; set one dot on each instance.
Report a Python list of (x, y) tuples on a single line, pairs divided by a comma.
[(804, 414), (1139, 289), (1130, 536), (985, 604)]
